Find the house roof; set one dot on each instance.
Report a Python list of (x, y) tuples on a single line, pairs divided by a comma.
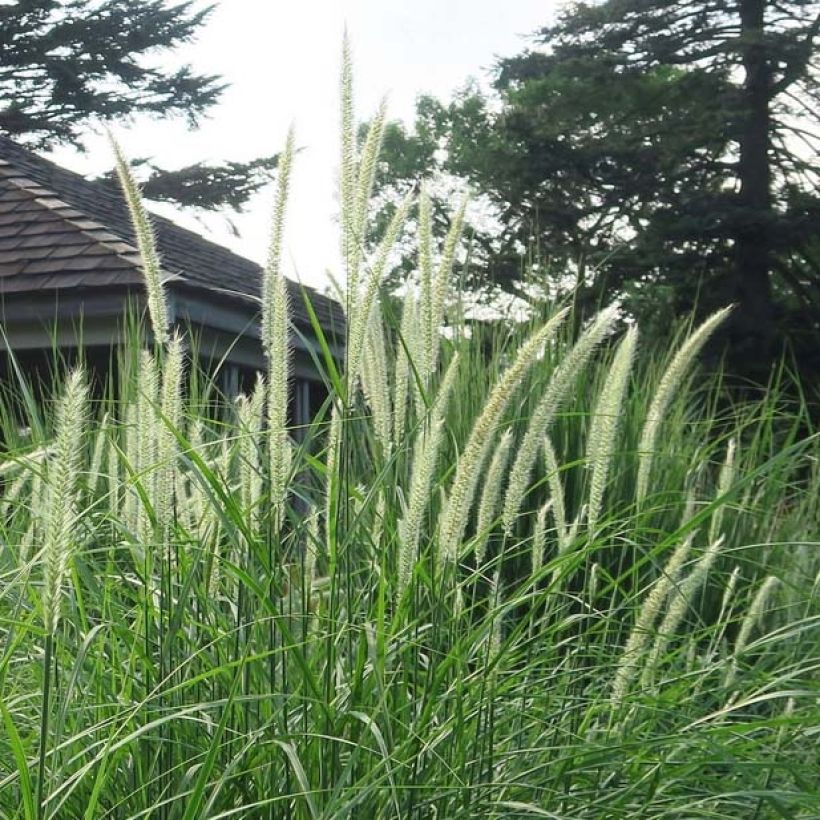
[(59, 230)]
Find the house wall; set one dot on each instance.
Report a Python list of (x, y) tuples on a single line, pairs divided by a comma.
[(49, 335)]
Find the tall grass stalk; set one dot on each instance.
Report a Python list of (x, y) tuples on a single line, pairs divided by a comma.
[(60, 538), (276, 343)]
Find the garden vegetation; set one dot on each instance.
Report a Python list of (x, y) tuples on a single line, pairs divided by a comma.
[(515, 571)]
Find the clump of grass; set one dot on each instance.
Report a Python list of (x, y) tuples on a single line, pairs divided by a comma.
[(245, 622)]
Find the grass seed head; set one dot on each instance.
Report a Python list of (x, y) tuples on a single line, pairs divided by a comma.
[(604, 426), (146, 245), (479, 443), (555, 394), (60, 535), (670, 382)]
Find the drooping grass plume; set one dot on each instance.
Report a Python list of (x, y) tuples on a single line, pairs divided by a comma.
[(141, 452), (367, 168), (429, 330), (539, 540), (471, 461), (168, 427), (60, 535), (554, 396), (669, 384), (725, 481), (490, 494), (358, 321), (404, 354), (681, 602), (604, 427), (251, 421), (556, 488), (274, 304), (375, 381), (424, 464), (332, 477), (751, 621), (152, 269), (347, 174), (425, 459), (641, 633), (441, 283)]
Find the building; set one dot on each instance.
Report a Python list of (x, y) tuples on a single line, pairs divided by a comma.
[(69, 269)]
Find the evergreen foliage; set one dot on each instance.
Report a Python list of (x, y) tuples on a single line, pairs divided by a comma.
[(658, 149), (68, 64)]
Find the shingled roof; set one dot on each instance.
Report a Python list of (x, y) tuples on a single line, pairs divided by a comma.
[(59, 230)]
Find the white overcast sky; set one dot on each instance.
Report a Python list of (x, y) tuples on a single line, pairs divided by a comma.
[(282, 62)]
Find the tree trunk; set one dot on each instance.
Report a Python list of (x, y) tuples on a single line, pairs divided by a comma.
[(753, 325)]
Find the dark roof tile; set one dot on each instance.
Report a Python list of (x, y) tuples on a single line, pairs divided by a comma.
[(21, 282), (10, 224), (48, 240), (9, 257), (86, 224), (41, 227), (83, 263), (107, 237), (9, 242), (29, 253), (66, 251), (14, 194), (8, 206), (66, 280), (11, 269), (50, 202)]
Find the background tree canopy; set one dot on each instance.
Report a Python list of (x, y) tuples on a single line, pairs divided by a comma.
[(66, 64), (665, 151)]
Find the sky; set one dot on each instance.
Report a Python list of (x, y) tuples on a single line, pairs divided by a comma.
[(281, 60)]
